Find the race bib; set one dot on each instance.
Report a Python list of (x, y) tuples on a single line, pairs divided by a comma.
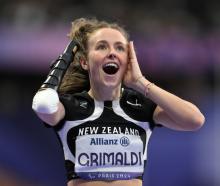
[(109, 156)]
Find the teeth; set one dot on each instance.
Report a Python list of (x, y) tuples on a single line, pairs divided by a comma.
[(111, 65)]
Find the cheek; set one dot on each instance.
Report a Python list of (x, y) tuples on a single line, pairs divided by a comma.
[(93, 64), (95, 59)]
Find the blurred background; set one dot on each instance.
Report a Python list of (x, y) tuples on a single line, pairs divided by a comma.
[(178, 47)]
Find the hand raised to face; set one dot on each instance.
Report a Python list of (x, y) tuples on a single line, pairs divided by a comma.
[(133, 72)]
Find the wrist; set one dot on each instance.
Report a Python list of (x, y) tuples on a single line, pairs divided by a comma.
[(142, 84), (148, 88)]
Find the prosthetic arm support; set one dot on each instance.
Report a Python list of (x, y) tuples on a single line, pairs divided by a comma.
[(60, 66), (46, 99)]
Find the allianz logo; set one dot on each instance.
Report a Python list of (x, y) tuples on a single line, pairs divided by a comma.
[(123, 141)]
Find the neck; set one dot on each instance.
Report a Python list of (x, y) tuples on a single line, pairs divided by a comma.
[(105, 94)]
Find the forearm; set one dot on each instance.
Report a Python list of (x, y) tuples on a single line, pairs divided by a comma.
[(181, 112)]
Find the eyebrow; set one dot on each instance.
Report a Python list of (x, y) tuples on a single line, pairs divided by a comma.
[(117, 42)]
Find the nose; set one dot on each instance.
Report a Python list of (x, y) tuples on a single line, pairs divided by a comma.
[(111, 55)]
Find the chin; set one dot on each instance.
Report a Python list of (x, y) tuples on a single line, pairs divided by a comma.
[(112, 83)]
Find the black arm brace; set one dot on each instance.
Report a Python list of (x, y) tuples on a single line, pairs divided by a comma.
[(60, 66)]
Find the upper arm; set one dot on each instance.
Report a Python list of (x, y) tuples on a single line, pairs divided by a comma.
[(161, 117), (53, 118), (48, 107)]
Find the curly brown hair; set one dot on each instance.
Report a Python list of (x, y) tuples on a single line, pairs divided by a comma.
[(76, 79)]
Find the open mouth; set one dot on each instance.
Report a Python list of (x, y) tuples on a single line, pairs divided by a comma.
[(110, 68)]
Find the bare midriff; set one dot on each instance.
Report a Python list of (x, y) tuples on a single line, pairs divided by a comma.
[(79, 182)]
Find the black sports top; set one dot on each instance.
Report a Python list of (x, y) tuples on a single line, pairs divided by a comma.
[(106, 140)]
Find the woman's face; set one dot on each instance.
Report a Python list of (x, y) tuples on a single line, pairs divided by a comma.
[(107, 57)]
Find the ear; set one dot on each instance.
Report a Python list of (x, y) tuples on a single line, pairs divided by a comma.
[(84, 64)]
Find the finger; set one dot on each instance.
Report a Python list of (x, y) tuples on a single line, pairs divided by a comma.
[(132, 53), (129, 67)]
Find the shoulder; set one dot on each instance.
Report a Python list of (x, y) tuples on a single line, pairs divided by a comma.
[(77, 106), (137, 105), (136, 99)]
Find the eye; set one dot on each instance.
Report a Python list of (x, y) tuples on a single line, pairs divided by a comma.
[(101, 47), (120, 48)]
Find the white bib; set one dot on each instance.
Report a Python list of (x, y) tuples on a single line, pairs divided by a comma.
[(109, 156)]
